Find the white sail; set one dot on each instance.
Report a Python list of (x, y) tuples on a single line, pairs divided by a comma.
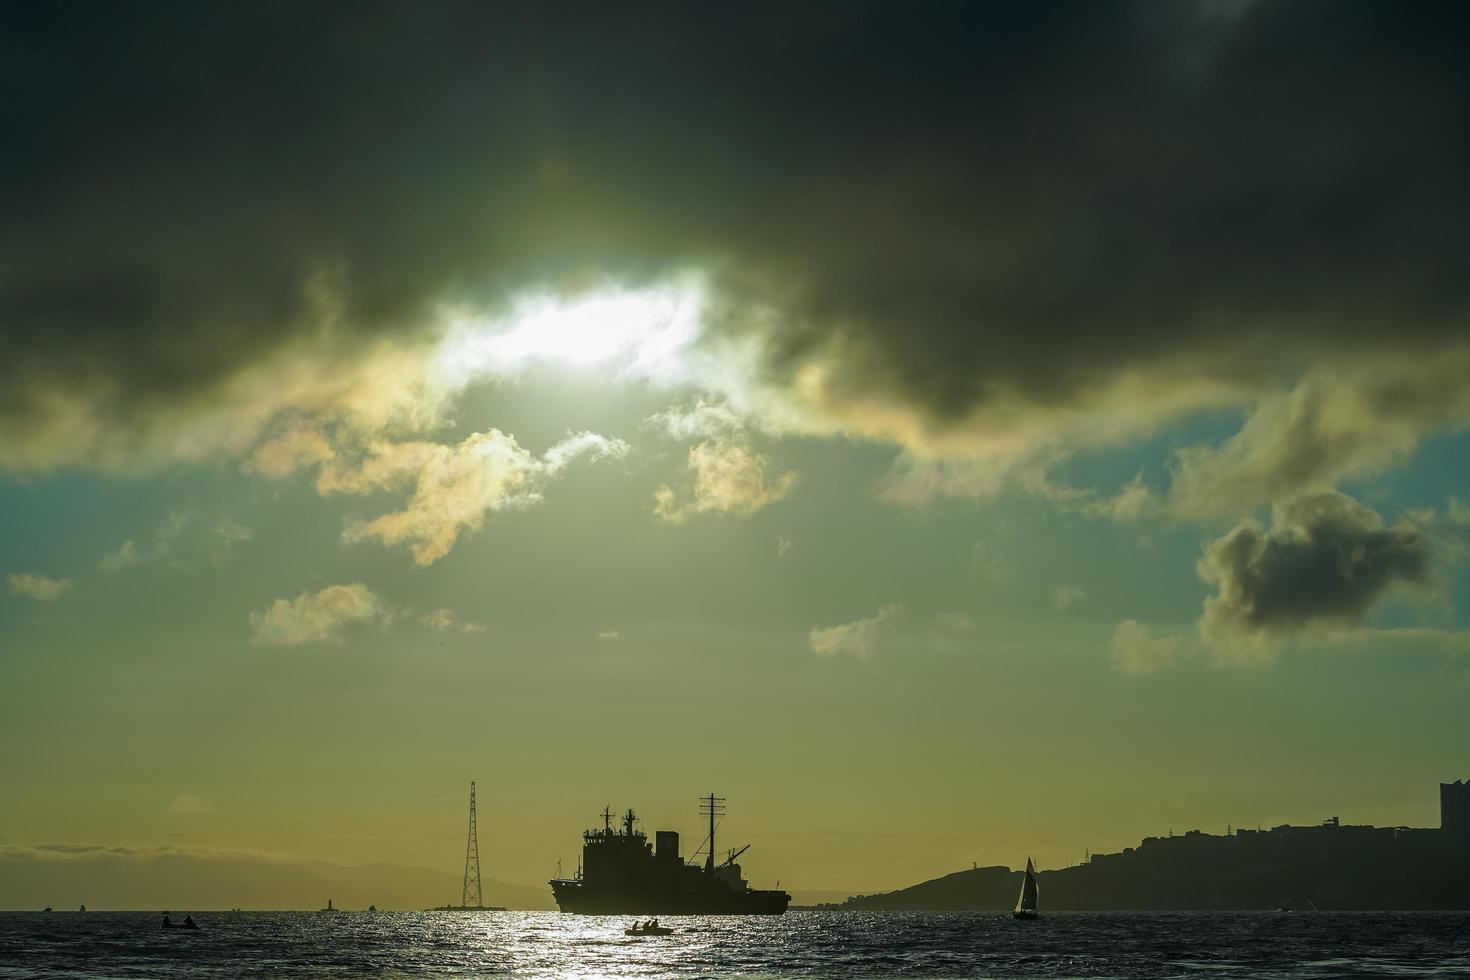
[(1027, 901)]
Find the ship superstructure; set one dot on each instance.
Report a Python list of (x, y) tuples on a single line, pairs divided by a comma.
[(623, 874)]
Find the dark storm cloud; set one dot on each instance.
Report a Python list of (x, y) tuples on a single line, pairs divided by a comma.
[(1325, 560), (948, 202)]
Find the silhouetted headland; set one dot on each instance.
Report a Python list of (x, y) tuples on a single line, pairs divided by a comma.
[(1330, 866)]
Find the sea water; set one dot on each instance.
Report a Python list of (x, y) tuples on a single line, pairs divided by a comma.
[(798, 944)]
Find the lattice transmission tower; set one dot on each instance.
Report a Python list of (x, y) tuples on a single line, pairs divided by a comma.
[(472, 862)]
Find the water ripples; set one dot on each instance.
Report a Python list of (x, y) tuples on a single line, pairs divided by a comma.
[(800, 944)]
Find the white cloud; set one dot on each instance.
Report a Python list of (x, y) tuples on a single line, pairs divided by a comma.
[(729, 478), (315, 617), (125, 555), (702, 420), (1067, 596), (579, 444), (1136, 650), (187, 804), (608, 635), (442, 620), (858, 639), (455, 486), (41, 588)]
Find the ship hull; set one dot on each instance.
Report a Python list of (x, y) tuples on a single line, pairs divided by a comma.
[(582, 898)]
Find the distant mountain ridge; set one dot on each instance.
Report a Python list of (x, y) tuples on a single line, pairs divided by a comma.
[(65, 876), (1332, 867)]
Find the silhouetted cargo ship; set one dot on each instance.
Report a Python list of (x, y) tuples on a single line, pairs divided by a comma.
[(622, 874)]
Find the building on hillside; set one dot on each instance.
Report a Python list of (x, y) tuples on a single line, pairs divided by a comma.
[(1454, 809)]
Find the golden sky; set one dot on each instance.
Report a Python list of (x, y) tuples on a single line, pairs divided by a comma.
[(951, 435)]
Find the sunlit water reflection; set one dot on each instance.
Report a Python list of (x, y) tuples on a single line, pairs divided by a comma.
[(799, 944)]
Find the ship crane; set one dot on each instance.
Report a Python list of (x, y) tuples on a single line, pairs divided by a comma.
[(733, 855)]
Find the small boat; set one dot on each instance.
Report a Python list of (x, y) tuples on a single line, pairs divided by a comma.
[(188, 923), (650, 928), (1026, 904)]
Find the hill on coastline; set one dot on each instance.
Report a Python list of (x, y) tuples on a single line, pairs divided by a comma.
[(1330, 866), (107, 877)]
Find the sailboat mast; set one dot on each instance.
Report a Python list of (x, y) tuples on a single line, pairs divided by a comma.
[(1027, 900)]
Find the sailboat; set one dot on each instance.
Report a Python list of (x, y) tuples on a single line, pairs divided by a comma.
[(1026, 904)]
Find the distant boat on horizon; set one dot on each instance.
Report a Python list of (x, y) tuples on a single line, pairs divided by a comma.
[(1026, 904)]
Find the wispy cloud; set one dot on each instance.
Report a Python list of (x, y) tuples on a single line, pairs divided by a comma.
[(858, 639), (703, 420), (1067, 596), (316, 617), (1136, 650), (189, 805), (115, 561), (225, 537), (446, 620), (1337, 423), (67, 851), (41, 588), (1128, 504), (301, 446)]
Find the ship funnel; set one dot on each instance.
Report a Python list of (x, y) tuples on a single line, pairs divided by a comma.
[(666, 845)]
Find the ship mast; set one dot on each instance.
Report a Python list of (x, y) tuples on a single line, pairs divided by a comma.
[(711, 806)]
